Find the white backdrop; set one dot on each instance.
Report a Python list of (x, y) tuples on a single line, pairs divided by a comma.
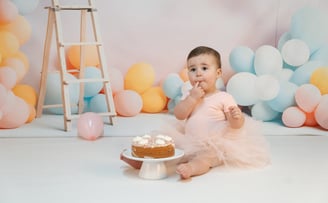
[(162, 32)]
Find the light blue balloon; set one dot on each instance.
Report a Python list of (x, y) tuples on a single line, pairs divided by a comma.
[(283, 39), (172, 85), (285, 97), (262, 111), (92, 88), (54, 93), (26, 6), (310, 25), (321, 55), (98, 104), (241, 59), (303, 73)]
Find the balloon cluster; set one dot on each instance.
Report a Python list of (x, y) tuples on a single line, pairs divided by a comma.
[(133, 92), (290, 81), (17, 101)]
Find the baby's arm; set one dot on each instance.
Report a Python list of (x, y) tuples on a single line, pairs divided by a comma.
[(184, 108), (235, 117)]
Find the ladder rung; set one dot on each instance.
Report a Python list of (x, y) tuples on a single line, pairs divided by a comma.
[(86, 80), (100, 114), (72, 7), (80, 43)]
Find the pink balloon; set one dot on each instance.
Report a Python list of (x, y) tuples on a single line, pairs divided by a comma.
[(321, 112), (8, 11), (293, 117), (116, 80), (307, 97), (8, 77), (90, 126), (15, 113), (128, 103), (3, 95)]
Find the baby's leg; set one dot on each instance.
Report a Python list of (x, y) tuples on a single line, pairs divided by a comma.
[(135, 164), (194, 167)]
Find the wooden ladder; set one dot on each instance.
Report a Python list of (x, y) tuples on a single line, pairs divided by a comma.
[(54, 21)]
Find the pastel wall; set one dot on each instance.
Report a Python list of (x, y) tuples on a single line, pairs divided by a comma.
[(162, 32)]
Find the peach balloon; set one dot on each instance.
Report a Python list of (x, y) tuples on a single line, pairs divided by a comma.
[(26, 92), (321, 112), (22, 56), (310, 119), (91, 56), (18, 66), (293, 117), (139, 77), (8, 77), (307, 97), (319, 78), (17, 113), (3, 95), (127, 103), (184, 74), (32, 114), (8, 11), (154, 100), (90, 126), (20, 27), (9, 44)]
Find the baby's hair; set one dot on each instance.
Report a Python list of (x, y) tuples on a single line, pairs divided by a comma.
[(205, 50)]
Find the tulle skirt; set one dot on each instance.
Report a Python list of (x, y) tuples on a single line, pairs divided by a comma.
[(243, 148)]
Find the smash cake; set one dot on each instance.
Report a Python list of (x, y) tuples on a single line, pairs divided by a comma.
[(152, 146)]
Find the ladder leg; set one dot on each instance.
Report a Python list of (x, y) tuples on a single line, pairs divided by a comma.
[(82, 59), (45, 63)]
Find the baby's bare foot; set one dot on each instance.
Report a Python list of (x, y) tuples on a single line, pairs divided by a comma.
[(184, 170)]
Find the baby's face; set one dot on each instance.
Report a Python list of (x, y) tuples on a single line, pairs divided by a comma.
[(203, 69)]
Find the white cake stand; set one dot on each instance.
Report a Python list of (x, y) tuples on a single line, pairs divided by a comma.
[(153, 168)]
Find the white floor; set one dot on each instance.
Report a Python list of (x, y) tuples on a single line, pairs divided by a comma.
[(40, 162)]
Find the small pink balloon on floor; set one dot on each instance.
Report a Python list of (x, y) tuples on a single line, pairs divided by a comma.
[(90, 126)]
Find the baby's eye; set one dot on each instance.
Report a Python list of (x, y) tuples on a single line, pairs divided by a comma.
[(192, 69), (204, 68)]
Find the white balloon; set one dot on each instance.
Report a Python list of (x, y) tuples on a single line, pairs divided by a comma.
[(295, 52), (267, 87), (267, 60)]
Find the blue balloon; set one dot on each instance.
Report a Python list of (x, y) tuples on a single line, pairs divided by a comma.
[(321, 55), (285, 97), (54, 93), (283, 39), (98, 104), (172, 85), (262, 111), (241, 59), (92, 88), (303, 73)]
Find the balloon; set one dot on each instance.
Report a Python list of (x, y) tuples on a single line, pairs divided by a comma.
[(310, 25), (8, 11), (54, 93), (91, 57), (26, 92), (17, 65), (32, 114), (241, 59), (242, 86), (97, 103), (116, 80), (302, 74), (293, 117), (283, 75), (92, 88), (321, 112), (9, 44), (307, 97), (219, 84), (15, 113), (3, 95), (320, 55), (267, 87), (139, 77), (172, 85), (184, 74), (154, 100), (90, 126), (128, 103), (262, 111), (295, 52), (8, 77), (310, 119), (267, 60), (285, 97), (319, 78), (20, 27), (26, 7), (22, 56), (283, 39)]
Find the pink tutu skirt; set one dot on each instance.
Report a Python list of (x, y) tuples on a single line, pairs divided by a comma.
[(243, 148)]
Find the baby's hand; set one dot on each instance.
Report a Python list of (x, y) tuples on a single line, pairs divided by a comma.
[(197, 92), (235, 112)]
